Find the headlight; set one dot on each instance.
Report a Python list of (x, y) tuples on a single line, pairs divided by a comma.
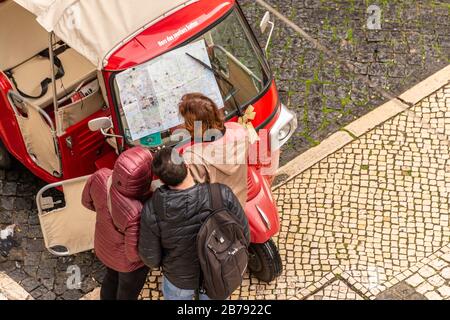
[(283, 128), (284, 132)]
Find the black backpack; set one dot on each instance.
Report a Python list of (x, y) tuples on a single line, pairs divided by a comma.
[(222, 250)]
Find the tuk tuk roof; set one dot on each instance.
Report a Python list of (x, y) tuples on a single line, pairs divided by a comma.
[(94, 28)]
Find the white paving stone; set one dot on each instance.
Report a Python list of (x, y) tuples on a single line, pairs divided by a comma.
[(444, 291), (415, 280), (436, 280), (446, 257), (427, 271), (433, 296), (445, 273), (424, 288), (438, 264)]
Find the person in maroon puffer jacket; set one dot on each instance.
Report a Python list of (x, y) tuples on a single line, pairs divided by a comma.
[(117, 229)]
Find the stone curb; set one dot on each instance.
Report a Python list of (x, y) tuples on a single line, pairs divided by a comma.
[(363, 125), (11, 290), (376, 117), (427, 87)]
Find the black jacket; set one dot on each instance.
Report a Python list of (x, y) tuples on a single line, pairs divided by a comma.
[(170, 222)]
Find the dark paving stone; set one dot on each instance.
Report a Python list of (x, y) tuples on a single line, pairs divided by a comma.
[(48, 283), (401, 291), (9, 189), (47, 260), (31, 270), (416, 296), (72, 295), (39, 292), (404, 290), (7, 203), (45, 272), (20, 218), (99, 275), (35, 245), (88, 285), (388, 296), (12, 175), (83, 259), (63, 263), (60, 288), (7, 266), (33, 219), (6, 218), (30, 284), (18, 275), (16, 254), (32, 258), (23, 203), (26, 189), (48, 296), (34, 232)]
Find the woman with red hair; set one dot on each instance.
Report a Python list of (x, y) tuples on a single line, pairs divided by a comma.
[(220, 150)]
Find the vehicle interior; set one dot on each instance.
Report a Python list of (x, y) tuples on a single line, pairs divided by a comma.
[(25, 60), (237, 74)]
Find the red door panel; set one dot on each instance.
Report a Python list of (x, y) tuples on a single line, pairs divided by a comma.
[(81, 148)]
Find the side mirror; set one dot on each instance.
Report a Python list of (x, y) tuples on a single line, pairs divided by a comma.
[(265, 22), (103, 123)]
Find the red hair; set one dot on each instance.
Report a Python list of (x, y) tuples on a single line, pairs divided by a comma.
[(197, 107)]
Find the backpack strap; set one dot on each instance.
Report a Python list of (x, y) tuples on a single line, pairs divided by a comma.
[(215, 196)]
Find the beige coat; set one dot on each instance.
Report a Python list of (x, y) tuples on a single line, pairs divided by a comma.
[(222, 161)]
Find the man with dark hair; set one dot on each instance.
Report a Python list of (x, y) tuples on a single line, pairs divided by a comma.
[(171, 220), (170, 168)]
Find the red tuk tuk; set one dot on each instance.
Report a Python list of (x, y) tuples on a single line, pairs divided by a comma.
[(81, 81)]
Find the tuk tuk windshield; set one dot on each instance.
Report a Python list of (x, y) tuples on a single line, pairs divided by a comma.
[(224, 63)]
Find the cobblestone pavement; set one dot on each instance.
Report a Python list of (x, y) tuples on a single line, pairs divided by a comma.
[(401, 291), (29, 264), (412, 44), (371, 220), (433, 278), (326, 96), (337, 290)]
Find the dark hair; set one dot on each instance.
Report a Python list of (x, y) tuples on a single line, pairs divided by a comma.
[(171, 171), (197, 107)]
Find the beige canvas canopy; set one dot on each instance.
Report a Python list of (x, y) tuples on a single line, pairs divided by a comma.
[(95, 28)]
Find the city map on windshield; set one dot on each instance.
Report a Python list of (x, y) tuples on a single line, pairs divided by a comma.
[(150, 93)]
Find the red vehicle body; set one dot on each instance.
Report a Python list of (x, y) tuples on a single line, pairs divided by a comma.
[(83, 151)]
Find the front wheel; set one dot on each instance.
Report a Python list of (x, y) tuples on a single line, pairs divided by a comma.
[(265, 261), (5, 158)]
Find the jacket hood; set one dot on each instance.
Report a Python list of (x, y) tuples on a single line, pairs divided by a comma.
[(132, 174), (227, 154)]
